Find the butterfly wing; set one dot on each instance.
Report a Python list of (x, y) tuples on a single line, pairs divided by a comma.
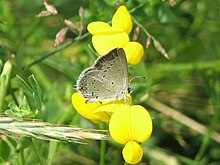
[(106, 79)]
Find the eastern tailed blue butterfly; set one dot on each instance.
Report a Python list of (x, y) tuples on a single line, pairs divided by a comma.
[(107, 78)]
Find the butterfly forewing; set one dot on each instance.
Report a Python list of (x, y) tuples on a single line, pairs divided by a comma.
[(106, 79)]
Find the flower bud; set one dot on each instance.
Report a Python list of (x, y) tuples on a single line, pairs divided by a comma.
[(60, 36), (50, 8)]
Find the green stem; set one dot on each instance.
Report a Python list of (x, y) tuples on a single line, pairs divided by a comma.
[(183, 119), (36, 151), (102, 152), (52, 150), (143, 28), (22, 156), (56, 50), (102, 148), (157, 44), (138, 6), (181, 67)]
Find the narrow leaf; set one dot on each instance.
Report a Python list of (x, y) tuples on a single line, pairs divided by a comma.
[(36, 91), (28, 92)]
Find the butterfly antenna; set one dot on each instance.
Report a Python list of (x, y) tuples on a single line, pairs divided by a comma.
[(135, 77)]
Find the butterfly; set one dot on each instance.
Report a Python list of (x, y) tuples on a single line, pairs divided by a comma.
[(107, 78)]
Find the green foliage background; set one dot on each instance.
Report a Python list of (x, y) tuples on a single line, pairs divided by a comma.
[(186, 86)]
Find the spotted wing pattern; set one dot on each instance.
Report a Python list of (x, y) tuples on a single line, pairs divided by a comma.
[(107, 78)]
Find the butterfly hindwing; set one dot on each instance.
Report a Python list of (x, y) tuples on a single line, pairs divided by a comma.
[(107, 78)]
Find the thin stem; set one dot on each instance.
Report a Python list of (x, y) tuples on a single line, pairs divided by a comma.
[(36, 151), (55, 51), (102, 148), (183, 67), (138, 6), (183, 119), (143, 28), (102, 152), (157, 44), (52, 150), (22, 156)]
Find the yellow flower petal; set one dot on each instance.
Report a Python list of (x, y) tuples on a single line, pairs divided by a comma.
[(97, 26), (127, 101), (132, 152), (88, 110), (109, 106), (103, 31), (134, 52), (130, 123), (105, 43), (108, 109), (122, 19)]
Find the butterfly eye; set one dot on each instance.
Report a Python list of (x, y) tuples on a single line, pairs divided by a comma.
[(129, 90)]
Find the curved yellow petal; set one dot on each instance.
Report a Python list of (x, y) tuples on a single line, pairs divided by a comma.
[(104, 31), (109, 31), (88, 110), (108, 107), (129, 123), (105, 43), (134, 52), (97, 26), (132, 152), (142, 121), (127, 101), (122, 19)]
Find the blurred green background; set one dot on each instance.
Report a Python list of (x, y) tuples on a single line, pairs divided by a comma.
[(182, 94)]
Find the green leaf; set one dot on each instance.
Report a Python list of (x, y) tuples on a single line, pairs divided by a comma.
[(28, 92), (52, 150), (19, 112), (4, 150), (32, 93), (37, 91), (4, 80)]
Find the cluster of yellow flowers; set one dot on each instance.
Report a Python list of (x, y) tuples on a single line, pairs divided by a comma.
[(128, 124)]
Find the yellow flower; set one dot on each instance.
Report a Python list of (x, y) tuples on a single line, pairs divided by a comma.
[(106, 37), (131, 125), (132, 152), (97, 111)]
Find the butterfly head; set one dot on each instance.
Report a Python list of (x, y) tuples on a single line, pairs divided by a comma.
[(129, 90)]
